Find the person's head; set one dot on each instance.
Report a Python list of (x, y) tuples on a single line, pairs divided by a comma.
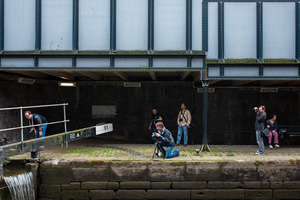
[(154, 111), (262, 108), (28, 114), (273, 117), (183, 106), (159, 126)]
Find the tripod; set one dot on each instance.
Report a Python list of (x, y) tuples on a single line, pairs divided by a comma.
[(155, 149)]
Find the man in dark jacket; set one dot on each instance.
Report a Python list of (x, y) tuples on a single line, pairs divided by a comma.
[(34, 119), (165, 138), (259, 126)]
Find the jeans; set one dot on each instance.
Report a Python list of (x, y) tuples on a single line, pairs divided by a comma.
[(260, 142), (185, 132), (37, 135), (168, 153), (275, 134)]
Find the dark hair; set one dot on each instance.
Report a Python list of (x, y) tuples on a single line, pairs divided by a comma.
[(154, 108), (27, 111), (272, 116)]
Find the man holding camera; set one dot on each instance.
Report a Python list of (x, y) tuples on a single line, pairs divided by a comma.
[(164, 138), (183, 120), (34, 119), (259, 126)]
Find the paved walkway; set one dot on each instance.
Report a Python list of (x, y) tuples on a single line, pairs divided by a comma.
[(99, 149)]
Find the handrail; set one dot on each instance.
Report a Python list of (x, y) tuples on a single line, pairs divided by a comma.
[(29, 126), (40, 106)]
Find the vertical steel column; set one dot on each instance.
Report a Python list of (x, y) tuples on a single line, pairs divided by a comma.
[(150, 25), (259, 31), (188, 25), (112, 25), (38, 22), (298, 31), (1, 25), (22, 131), (75, 24), (205, 25), (65, 122), (221, 29), (205, 106)]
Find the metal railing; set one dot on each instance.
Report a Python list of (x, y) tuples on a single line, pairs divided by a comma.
[(22, 127)]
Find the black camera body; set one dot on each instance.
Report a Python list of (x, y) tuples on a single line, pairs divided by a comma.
[(180, 120)]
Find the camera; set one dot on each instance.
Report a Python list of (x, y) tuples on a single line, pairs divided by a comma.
[(255, 109), (180, 120)]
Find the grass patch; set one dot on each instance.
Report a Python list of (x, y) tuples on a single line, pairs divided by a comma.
[(230, 154), (215, 153)]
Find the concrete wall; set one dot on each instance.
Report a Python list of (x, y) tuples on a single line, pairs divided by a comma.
[(229, 110), (169, 180)]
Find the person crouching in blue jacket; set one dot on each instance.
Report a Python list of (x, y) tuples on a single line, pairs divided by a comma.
[(164, 137)]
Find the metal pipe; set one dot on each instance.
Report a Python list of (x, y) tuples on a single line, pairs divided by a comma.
[(40, 106), (22, 129), (64, 107), (29, 126)]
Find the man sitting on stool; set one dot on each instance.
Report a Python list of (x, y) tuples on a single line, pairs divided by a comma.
[(165, 138)]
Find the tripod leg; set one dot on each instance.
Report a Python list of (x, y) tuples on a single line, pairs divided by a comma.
[(154, 151)]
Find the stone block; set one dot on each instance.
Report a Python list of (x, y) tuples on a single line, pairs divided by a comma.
[(258, 194), (94, 185), (291, 185), (50, 191), (62, 171), (189, 185), (129, 171), (90, 174), (71, 186), (131, 194), (230, 194), (279, 173), (239, 171), (75, 195), (135, 185), (160, 185), (276, 185), (253, 185), (204, 171), (168, 194), (225, 185), (265, 185), (203, 194), (166, 171), (102, 194), (286, 194), (113, 185)]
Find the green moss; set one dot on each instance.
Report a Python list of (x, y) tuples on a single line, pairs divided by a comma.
[(247, 60), (177, 164), (230, 154), (6, 161), (279, 61)]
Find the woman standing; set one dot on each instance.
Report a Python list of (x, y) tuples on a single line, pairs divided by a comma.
[(272, 126)]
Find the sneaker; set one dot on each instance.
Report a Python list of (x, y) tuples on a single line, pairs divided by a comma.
[(276, 145), (271, 147), (258, 153)]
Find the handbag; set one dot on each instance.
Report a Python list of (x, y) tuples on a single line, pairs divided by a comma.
[(265, 132)]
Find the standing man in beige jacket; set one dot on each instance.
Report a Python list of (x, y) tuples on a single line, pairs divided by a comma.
[(183, 121)]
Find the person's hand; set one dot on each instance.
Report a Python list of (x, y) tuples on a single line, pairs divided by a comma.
[(273, 131), (35, 132), (268, 126), (41, 133), (157, 135), (187, 125), (149, 128)]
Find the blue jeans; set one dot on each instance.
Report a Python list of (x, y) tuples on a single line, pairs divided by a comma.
[(37, 135), (168, 153), (260, 142), (185, 132)]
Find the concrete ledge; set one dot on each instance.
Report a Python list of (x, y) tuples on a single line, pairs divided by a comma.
[(71, 186), (258, 194), (160, 185), (75, 195), (225, 185), (50, 191)]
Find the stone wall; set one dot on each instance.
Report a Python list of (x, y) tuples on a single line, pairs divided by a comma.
[(230, 119), (169, 180)]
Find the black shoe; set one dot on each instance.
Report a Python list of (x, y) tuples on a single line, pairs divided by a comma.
[(177, 144)]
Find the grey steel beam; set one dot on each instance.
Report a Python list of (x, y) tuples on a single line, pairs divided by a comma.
[(150, 25), (221, 29), (259, 30), (205, 25), (38, 25), (204, 147), (298, 31), (188, 25), (1, 25), (113, 25), (75, 25)]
